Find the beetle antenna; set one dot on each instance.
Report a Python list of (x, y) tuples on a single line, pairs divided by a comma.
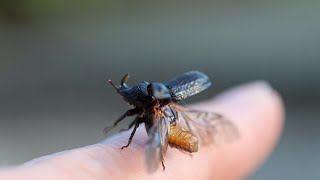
[(124, 79)]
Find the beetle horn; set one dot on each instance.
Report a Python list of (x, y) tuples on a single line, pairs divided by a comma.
[(114, 86), (124, 79)]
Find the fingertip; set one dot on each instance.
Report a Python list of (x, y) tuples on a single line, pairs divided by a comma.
[(257, 111)]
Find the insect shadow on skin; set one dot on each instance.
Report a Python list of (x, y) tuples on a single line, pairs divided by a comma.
[(167, 123)]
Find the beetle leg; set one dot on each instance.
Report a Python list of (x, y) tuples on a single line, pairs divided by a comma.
[(132, 134), (130, 112), (163, 167), (129, 127), (137, 119)]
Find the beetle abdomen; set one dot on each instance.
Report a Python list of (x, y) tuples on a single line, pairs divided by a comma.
[(182, 139)]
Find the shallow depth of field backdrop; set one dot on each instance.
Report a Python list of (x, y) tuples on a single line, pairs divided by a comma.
[(55, 58)]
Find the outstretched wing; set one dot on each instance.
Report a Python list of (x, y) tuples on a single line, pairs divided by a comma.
[(157, 143), (188, 84), (209, 127)]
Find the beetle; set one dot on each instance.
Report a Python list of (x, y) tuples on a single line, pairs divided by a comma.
[(168, 123)]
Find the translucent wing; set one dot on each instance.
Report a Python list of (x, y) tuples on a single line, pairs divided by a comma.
[(157, 143), (188, 84), (209, 127)]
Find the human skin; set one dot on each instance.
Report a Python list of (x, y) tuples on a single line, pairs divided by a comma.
[(255, 109)]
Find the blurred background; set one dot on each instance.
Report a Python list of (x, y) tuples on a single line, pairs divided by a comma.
[(55, 58)]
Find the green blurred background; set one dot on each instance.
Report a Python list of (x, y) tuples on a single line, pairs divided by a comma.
[(55, 58)]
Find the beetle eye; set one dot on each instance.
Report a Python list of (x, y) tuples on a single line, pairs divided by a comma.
[(150, 89)]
